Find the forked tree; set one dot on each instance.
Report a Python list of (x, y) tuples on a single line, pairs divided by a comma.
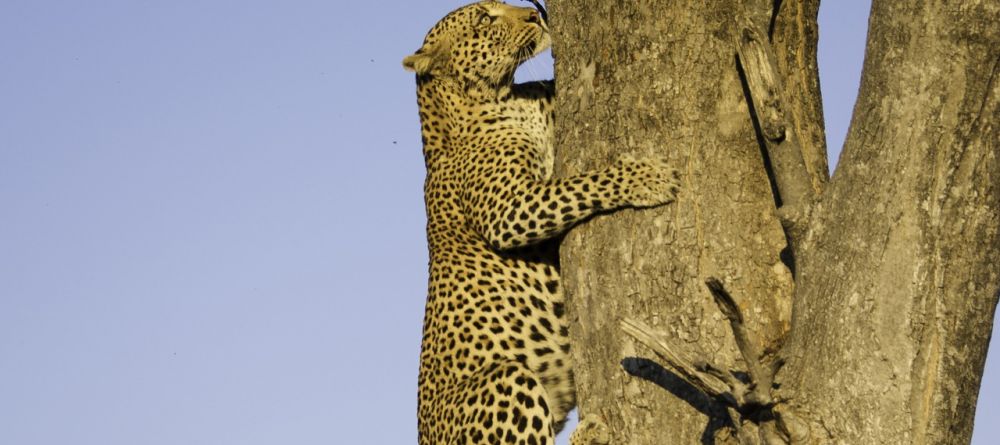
[(773, 304)]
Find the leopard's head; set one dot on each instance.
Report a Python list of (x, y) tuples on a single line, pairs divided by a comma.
[(481, 44)]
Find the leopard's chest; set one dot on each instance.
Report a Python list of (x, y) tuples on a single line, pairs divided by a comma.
[(520, 129)]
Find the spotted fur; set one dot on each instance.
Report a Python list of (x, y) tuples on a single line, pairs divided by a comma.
[(494, 364)]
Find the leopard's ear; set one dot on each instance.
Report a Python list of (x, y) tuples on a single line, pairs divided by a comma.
[(419, 62), (427, 60)]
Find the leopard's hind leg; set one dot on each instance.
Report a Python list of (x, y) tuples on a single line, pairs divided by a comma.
[(503, 403)]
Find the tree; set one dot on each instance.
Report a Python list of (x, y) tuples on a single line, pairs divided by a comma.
[(856, 309)]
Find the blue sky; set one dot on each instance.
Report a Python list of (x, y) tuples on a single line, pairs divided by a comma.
[(212, 227)]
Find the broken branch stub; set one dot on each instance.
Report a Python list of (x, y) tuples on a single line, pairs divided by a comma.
[(766, 90)]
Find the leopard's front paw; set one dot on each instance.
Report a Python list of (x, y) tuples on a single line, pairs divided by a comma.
[(649, 182), (590, 432)]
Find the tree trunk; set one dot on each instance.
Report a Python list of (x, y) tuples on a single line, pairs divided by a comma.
[(878, 287)]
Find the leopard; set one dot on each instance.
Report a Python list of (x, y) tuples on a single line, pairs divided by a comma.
[(494, 360)]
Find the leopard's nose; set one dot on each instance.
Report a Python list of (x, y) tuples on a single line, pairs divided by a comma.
[(538, 15)]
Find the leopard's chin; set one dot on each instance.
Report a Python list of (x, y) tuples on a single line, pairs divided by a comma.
[(544, 42), (534, 47)]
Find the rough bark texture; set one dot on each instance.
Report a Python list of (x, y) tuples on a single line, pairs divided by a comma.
[(897, 288), (660, 78), (886, 321)]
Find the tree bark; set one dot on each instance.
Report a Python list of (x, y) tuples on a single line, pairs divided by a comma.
[(895, 300), (881, 304)]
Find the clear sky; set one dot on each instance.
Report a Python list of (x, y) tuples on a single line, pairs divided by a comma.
[(212, 224)]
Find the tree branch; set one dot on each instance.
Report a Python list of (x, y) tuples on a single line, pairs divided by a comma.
[(761, 392), (708, 378), (745, 401), (764, 83)]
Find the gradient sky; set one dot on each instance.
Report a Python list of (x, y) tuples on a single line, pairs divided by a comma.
[(212, 225)]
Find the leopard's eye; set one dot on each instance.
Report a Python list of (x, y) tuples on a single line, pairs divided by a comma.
[(485, 19)]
